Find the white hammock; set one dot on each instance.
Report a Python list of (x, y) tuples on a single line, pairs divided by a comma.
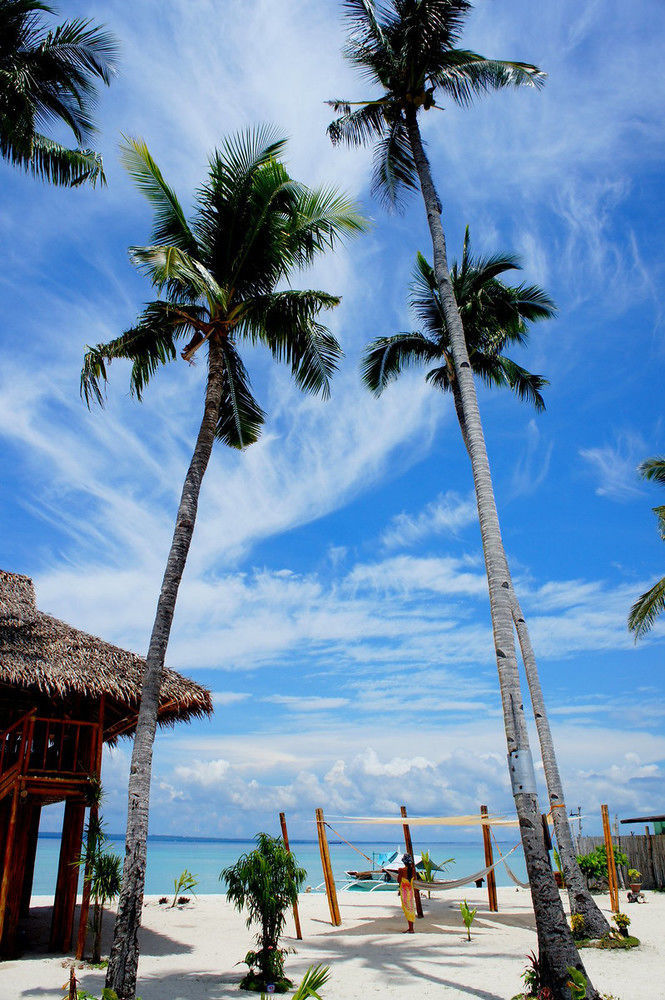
[(456, 883)]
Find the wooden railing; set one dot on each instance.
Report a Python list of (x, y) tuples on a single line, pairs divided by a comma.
[(44, 747)]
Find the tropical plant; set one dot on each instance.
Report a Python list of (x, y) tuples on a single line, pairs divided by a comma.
[(468, 916), (577, 984), (594, 864), (253, 228), (531, 975), (102, 871), (559, 866), (314, 979), (634, 875), (577, 926), (651, 604), (49, 77), (622, 920), (430, 866), (185, 882), (265, 883), (408, 49)]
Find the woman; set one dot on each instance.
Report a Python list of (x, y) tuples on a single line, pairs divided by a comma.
[(407, 894)]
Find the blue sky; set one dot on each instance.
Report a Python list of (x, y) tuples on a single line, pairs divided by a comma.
[(335, 599)]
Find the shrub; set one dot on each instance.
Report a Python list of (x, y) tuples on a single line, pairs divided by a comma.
[(622, 920), (265, 882), (594, 864), (577, 984), (577, 926)]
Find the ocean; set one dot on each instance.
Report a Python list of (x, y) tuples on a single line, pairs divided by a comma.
[(168, 856)]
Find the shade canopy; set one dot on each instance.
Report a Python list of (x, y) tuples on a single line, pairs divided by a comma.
[(42, 658)]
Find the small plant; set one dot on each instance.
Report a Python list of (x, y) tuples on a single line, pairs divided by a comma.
[(185, 882), (531, 975), (576, 984), (559, 866), (634, 877), (315, 977), (468, 917), (265, 883), (622, 920), (577, 926), (163, 900)]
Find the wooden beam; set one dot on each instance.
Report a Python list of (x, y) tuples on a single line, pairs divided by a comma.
[(331, 891), (285, 838), (32, 818), (11, 889), (489, 860), (64, 904), (409, 850), (611, 864)]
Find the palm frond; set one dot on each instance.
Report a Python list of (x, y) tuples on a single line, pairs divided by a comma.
[(173, 267), (463, 75), (49, 161), (526, 386), (646, 610), (387, 357), (286, 323), (170, 226), (321, 217), (240, 416), (653, 469), (356, 128), (312, 982), (149, 344), (394, 171)]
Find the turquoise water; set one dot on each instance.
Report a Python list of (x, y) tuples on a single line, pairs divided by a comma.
[(167, 857)]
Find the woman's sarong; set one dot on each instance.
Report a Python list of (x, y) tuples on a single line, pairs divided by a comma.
[(407, 897)]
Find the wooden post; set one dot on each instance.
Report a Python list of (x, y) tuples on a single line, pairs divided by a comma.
[(33, 817), (64, 903), (409, 850), (92, 818), (611, 864), (285, 838), (11, 890), (331, 891), (489, 860)]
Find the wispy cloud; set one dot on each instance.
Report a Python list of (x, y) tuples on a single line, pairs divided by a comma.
[(449, 513), (615, 466)]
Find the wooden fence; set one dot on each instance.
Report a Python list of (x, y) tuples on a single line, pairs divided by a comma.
[(646, 853)]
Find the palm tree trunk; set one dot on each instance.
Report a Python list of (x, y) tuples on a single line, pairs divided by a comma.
[(97, 933), (124, 957), (579, 896), (556, 946)]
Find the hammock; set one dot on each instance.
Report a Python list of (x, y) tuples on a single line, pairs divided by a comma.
[(511, 874), (467, 879), (430, 820)]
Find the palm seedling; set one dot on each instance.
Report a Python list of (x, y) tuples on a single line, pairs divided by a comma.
[(221, 277), (49, 77)]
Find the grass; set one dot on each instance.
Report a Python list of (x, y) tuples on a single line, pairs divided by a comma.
[(609, 943)]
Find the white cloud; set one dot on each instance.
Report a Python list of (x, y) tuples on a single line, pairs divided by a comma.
[(448, 513), (615, 466)]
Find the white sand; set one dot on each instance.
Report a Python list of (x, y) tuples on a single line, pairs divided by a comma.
[(191, 953)]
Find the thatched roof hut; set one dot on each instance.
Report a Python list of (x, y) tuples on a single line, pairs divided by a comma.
[(43, 658)]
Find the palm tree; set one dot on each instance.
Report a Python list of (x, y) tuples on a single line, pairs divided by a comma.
[(252, 228), (495, 315), (408, 48), (650, 605), (49, 77)]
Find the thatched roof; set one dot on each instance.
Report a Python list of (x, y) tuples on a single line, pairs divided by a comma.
[(41, 654)]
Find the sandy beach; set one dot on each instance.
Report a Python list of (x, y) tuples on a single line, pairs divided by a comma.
[(191, 953)]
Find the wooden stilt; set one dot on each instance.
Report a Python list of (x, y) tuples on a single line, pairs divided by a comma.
[(409, 850), (64, 904), (32, 818), (92, 819), (285, 838), (611, 864), (489, 860), (11, 890), (331, 891)]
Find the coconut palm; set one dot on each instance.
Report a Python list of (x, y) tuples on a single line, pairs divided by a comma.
[(49, 77), (253, 227), (495, 315), (408, 49), (651, 604)]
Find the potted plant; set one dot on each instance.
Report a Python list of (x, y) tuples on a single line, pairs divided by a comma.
[(622, 920), (634, 880)]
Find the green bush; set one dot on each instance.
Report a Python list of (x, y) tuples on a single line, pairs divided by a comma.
[(594, 864)]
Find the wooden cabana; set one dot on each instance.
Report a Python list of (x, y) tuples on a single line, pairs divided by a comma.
[(63, 694)]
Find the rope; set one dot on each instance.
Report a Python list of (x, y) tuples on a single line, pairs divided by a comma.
[(348, 843), (511, 873)]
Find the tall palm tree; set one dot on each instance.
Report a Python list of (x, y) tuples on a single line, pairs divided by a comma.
[(408, 49), (49, 77), (495, 315), (253, 227), (650, 605)]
